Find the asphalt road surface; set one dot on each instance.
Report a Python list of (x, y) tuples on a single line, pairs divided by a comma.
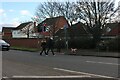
[(23, 64)]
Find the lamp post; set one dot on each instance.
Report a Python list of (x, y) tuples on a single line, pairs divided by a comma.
[(66, 40)]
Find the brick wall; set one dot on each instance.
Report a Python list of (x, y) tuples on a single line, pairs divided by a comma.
[(60, 23), (24, 42)]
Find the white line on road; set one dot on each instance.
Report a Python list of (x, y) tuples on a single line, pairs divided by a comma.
[(50, 76), (4, 77), (89, 74), (103, 63)]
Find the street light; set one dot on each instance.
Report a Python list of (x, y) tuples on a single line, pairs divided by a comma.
[(66, 40)]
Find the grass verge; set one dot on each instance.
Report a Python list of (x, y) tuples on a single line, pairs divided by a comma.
[(25, 49)]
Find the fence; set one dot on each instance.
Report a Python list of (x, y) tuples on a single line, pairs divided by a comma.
[(24, 42)]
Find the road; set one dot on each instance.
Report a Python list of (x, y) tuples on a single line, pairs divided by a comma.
[(18, 64)]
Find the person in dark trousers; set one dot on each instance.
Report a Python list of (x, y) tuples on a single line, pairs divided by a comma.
[(43, 45), (59, 45), (50, 45)]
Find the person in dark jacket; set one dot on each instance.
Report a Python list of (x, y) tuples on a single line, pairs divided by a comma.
[(50, 45), (43, 45), (59, 45)]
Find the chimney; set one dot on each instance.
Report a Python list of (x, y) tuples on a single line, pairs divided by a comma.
[(35, 26)]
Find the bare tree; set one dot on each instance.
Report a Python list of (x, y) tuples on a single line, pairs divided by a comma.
[(67, 9), (95, 15), (54, 9), (46, 10)]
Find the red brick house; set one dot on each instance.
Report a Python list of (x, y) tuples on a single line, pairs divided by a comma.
[(78, 30), (113, 30), (52, 25), (7, 32), (75, 30)]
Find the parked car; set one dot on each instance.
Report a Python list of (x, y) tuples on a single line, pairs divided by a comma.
[(4, 45)]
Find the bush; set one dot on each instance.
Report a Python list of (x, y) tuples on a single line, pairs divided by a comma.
[(81, 42), (110, 45), (57, 44), (24, 49), (114, 44), (78, 42)]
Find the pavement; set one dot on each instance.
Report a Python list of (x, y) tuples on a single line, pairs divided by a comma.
[(85, 52), (88, 52)]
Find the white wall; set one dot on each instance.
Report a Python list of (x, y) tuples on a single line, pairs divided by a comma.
[(22, 32), (18, 34)]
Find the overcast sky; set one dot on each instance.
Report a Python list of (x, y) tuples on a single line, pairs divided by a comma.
[(12, 12)]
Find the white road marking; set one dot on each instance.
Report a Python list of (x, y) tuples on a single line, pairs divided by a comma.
[(89, 74), (103, 63), (50, 76), (5, 77)]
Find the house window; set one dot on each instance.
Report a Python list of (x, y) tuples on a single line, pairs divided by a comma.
[(14, 32), (48, 28)]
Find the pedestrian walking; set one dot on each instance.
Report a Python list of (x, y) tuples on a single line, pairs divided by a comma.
[(43, 46), (50, 45)]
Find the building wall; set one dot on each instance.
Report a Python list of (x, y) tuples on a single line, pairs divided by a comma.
[(18, 34), (60, 23), (6, 34), (22, 33)]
